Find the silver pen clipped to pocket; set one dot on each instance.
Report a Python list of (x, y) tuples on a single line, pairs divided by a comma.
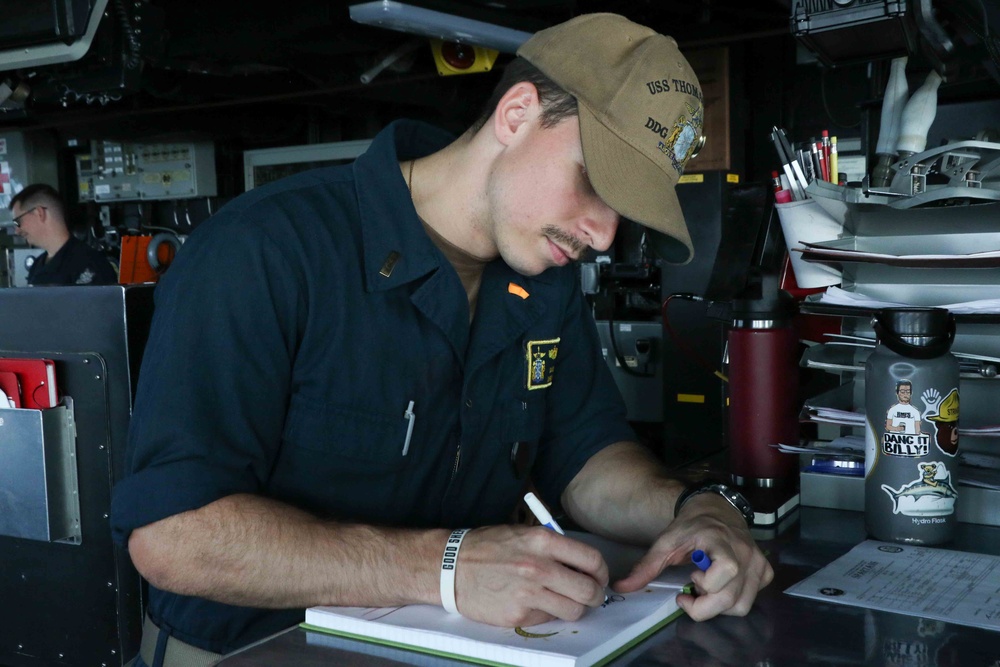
[(410, 418)]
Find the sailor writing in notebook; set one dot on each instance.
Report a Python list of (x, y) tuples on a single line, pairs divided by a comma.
[(353, 372)]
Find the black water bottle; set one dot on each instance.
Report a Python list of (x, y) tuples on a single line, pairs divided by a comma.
[(911, 427)]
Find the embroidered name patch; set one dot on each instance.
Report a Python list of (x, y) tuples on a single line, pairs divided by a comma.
[(542, 362)]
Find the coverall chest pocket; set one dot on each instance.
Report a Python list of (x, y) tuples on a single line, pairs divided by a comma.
[(356, 439), (523, 431)]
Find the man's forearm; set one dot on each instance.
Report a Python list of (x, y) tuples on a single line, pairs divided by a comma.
[(252, 551), (624, 493)]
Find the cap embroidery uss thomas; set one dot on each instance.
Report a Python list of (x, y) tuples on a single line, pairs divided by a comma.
[(641, 114)]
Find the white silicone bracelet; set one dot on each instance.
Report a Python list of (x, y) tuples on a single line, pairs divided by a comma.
[(448, 561)]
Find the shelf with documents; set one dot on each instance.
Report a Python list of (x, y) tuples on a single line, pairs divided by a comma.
[(924, 261), (978, 505)]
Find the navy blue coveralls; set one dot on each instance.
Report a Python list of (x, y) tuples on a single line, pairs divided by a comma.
[(290, 335), (76, 263)]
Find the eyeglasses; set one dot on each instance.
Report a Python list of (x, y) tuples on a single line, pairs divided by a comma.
[(17, 219)]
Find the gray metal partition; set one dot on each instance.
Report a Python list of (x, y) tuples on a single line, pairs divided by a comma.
[(71, 599)]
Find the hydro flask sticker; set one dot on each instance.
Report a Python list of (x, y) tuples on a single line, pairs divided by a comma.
[(944, 414), (904, 434), (930, 495)]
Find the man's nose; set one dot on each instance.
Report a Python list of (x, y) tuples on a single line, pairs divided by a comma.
[(601, 226)]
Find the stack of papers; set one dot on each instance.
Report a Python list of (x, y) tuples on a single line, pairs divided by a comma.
[(835, 296), (833, 416), (845, 445), (834, 407), (857, 418), (828, 252), (942, 584)]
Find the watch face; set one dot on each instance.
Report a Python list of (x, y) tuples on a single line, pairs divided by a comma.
[(734, 497), (738, 500)]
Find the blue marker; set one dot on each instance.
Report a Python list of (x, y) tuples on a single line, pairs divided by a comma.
[(701, 559), (545, 518)]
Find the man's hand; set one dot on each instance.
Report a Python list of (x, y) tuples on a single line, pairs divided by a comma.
[(739, 569), (519, 576)]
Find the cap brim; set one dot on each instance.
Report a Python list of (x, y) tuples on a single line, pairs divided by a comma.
[(635, 187)]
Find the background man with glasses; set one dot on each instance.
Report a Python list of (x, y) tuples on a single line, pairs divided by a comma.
[(40, 219)]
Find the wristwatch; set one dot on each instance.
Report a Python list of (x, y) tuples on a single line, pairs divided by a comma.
[(735, 498)]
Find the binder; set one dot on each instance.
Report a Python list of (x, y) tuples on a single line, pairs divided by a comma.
[(11, 389), (37, 379)]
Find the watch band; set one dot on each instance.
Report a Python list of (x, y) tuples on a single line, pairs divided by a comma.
[(735, 498)]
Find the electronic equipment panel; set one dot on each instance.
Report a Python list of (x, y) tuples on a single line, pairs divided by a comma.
[(119, 172)]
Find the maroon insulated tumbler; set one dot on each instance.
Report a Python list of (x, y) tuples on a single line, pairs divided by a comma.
[(763, 392)]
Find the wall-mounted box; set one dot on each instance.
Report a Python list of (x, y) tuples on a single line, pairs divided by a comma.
[(146, 172), (264, 165), (638, 345), (854, 31), (39, 492), (17, 262)]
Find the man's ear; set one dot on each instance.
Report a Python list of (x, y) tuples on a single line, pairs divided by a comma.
[(517, 106)]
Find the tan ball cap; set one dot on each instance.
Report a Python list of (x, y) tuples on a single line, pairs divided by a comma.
[(641, 115)]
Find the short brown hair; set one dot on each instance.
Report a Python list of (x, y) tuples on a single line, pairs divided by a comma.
[(40, 194), (557, 104)]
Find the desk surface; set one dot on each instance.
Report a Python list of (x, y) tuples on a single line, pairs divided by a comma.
[(780, 630)]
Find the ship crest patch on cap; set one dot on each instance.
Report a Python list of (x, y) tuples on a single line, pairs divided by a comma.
[(683, 141)]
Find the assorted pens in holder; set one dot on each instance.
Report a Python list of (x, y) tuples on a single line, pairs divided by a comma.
[(813, 160), (802, 220)]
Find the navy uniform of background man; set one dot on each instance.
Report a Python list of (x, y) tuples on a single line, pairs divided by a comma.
[(40, 218), (304, 330)]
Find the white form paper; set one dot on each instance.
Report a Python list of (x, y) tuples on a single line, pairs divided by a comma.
[(837, 296), (942, 584)]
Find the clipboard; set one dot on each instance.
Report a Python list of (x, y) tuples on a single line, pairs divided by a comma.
[(37, 379)]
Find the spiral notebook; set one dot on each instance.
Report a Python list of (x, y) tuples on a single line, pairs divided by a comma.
[(602, 634)]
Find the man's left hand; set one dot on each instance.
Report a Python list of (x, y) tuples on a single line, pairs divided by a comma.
[(739, 569)]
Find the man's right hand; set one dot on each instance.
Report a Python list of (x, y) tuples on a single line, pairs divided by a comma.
[(519, 576)]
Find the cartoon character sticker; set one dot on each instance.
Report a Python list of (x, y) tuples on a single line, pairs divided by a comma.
[(931, 494), (904, 434), (944, 414), (903, 417)]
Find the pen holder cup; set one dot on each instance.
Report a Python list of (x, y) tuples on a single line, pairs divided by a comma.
[(806, 222)]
